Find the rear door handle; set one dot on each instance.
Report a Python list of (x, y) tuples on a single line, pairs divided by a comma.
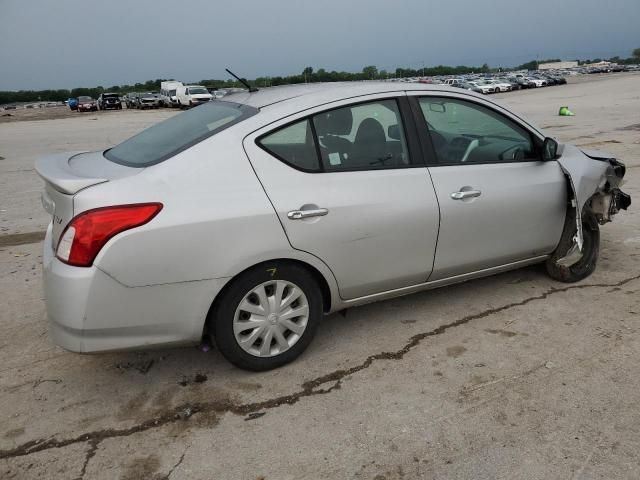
[(466, 194), (300, 214)]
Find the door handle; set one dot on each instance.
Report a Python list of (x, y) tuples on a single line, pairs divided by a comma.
[(300, 214), (465, 194)]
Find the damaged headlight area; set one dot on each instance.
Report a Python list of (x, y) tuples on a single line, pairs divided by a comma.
[(609, 200)]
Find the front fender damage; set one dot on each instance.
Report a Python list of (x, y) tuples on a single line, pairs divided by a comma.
[(595, 178)]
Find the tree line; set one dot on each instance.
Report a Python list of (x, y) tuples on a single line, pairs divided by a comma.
[(308, 75)]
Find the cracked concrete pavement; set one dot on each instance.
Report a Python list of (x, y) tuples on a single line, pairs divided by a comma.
[(513, 376)]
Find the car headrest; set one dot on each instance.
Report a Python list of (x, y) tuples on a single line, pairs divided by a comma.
[(335, 122)]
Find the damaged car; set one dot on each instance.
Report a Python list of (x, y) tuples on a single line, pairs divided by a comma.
[(245, 220)]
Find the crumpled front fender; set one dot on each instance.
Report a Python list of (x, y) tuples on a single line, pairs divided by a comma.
[(595, 176)]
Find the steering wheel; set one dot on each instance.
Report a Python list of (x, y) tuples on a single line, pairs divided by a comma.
[(516, 156)]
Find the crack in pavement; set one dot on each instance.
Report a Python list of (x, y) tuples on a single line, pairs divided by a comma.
[(91, 452), (309, 388), (168, 475)]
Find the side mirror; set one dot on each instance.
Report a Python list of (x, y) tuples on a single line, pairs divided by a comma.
[(549, 149)]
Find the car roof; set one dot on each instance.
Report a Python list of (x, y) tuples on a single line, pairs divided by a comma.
[(312, 94)]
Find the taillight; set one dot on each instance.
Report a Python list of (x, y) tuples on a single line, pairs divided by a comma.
[(87, 233)]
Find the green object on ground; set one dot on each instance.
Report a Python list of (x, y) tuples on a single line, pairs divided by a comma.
[(565, 112)]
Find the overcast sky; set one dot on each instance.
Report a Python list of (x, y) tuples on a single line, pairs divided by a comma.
[(72, 43)]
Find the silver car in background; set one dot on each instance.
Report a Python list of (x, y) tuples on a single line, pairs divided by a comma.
[(246, 219)]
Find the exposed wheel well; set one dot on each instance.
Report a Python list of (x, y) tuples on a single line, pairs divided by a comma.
[(318, 277)]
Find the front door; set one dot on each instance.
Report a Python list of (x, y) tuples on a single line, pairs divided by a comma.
[(499, 202), (345, 190)]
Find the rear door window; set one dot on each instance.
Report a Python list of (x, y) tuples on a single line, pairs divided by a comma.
[(293, 145), (365, 136)]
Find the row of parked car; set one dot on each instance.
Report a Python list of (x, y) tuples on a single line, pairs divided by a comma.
[(172, 94), (497, 84), (175, 94), (106, 101)]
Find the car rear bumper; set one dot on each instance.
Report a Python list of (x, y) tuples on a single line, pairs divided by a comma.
[(89, 311)]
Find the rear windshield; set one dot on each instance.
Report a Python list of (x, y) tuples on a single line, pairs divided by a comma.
[(170, 137)]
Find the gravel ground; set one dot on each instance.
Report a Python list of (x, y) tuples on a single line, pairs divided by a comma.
[(509, 377)]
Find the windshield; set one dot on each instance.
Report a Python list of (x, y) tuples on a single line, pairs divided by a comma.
[(196, 90), (170, 137)]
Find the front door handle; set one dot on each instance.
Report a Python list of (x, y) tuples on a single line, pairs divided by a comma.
[(300, 214), (465, 194)]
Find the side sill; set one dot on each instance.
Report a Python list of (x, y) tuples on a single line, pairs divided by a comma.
[(438, 283)]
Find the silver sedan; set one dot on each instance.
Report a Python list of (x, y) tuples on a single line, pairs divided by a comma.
[(246, 220)]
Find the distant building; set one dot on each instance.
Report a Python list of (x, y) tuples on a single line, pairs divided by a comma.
[(601, 64), (557, 65)]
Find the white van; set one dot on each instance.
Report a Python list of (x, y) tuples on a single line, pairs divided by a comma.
[(453, 82), (192, 95), (168, 93)]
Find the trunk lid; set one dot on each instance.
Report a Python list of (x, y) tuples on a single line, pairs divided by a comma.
[(65, 175)]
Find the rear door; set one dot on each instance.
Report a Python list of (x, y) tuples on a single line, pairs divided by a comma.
[(499, 202), (348, 187)]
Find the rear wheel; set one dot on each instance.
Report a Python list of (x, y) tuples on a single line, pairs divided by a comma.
[(267, 317), (590, 251)]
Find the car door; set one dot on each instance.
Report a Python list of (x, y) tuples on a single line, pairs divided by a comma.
[(348, 187), (499, 202)]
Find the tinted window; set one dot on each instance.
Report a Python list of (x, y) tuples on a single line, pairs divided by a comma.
[(294, 145), (467, 132), (365, 136), (178, 133)]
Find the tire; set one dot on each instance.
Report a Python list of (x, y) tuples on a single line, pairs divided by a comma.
[(267, 278), (590, 251)]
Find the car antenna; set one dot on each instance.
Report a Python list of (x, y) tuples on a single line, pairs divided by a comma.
[(242, 81)]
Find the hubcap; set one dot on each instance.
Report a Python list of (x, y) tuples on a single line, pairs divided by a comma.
[(271, 318)]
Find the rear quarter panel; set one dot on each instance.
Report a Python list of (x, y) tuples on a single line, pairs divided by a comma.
[(216, 217)]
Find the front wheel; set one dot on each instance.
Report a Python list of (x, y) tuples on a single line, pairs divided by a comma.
[(590, 251), (267, 316)]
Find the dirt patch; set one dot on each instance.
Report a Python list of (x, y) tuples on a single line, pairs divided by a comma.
[(16, 432), (455, 351), (16, 239), (598, 143), (635, 126), (48, 113), (197, 378), (138, 468), (142, 365), (503, 333)]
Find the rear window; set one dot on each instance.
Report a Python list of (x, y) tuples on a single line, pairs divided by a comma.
[(170, 137)]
